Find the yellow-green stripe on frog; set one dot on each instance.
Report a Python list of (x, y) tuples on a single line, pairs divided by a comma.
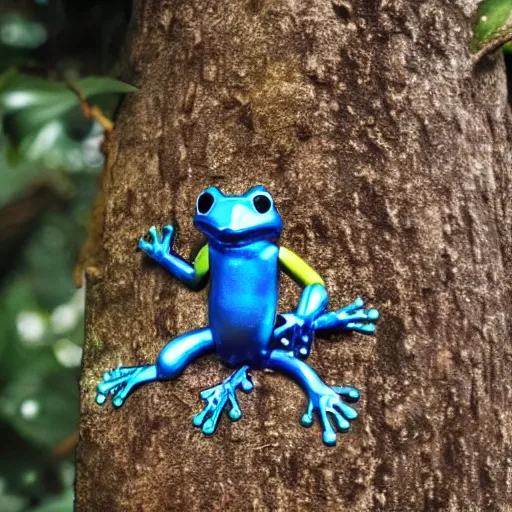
[(298, 269)]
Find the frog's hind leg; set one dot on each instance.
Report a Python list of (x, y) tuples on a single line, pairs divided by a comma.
[(121, 381), (324, 400), (171, 362), (217, 398)]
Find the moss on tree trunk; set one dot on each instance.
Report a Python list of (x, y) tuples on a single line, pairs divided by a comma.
[(388, 153)]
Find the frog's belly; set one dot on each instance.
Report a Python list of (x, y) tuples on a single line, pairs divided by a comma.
[(242, 303)]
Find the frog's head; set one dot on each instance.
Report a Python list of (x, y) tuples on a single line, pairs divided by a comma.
[(237, 219)]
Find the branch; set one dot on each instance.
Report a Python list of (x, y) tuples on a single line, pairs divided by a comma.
[(91, 251), (495, 43), (91, 112), (66, 446)]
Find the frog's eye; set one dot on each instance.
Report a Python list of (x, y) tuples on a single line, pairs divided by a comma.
[(205, 202), (262, 203)]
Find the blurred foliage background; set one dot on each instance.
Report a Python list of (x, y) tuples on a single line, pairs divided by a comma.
[(53, 53), (50, 159)]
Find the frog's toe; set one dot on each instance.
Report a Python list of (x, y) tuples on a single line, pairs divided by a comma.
[(352, 307), (110, 386), (348, 393), (152, 231), (361, 328), (329, 436), (101, 398), (246, 384), (307, 417), (145, 246), (328, 433), (207, 393), (342, 424), (306, 420), (210, 425), (112, 374), (121, 394), (117, 401), (338, 406), (329, 413), (373, 315), (208, 418), (234, 413), (200, 418), (349, 412)]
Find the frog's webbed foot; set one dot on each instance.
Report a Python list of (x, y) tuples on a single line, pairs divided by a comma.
[(160, 245), (330, 403), (119, 383), (327, 402), (353, 317), (217, 398)]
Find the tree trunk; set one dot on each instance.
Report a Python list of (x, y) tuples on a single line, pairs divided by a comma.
[(387, 150)]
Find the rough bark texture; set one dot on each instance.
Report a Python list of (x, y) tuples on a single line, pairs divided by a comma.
[(388, 153)]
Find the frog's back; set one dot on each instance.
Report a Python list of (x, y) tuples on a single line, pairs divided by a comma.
[(243, 300)]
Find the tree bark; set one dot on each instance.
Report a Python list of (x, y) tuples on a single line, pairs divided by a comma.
[(388, 154)]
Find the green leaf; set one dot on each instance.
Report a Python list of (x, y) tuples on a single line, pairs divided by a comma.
[(507, 48), (93, 85), (493, 16), (19, 91), (30, 120), (61, 503), (31, 102), (42, 408), (21, 465), (52, 147), (19, 31), (12, 503), (19, 297)]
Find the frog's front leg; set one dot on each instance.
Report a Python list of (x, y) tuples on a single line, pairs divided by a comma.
[(217, 398), (160, 250), (323, 399), (353, 317), (172, 360)]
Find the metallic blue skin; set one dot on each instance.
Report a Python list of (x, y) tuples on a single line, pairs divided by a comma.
[(244, 329), (217, 398), (243, 301)]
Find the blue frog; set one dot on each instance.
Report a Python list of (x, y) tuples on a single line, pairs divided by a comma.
[(243, 261)]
